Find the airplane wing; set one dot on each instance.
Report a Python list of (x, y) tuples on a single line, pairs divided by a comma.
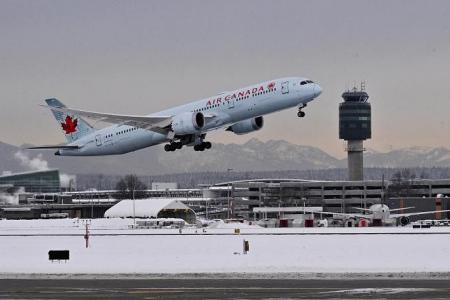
[(154, 123), (361, 209), (417, 213), (397, 209), (348, 215), (391, 210)]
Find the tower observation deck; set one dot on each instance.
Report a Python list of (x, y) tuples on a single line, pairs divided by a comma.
[(355, 127)]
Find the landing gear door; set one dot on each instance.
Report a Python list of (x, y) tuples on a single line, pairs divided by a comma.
[(98, 140), (285, 87)]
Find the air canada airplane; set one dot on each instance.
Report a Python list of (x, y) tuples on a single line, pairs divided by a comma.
[(239, 111)]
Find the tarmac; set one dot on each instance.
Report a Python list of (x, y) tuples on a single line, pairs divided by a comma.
[(225, 288)]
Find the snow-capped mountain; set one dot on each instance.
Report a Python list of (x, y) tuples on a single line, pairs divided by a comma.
[(251, 156), (254, 155), (409, 157)]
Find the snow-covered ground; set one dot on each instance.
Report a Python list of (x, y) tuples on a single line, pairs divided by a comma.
[(114, 248)]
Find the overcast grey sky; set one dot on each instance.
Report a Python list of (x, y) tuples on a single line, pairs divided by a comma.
[(138, 57)]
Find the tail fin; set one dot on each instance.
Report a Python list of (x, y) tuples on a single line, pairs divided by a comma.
[(73, 126)]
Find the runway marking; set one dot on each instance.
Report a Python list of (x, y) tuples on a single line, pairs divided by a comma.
[(154, 291), (237, 288), (389, 291)]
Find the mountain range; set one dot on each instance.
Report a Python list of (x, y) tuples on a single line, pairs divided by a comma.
[(254, 155)]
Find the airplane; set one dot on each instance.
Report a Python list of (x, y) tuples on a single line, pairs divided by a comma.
[(239, 111), (381, 214)]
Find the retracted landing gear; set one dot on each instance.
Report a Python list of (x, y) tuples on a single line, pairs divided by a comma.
[(173, 146), (301, 113), (202, 146)]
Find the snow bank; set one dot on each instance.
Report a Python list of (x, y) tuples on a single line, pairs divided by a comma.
[(24, 247), (233, 225)]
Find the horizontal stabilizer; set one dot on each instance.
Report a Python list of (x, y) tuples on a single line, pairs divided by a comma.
[(54, 147)]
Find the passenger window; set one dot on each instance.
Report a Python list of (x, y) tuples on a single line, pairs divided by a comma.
[(303, 83)]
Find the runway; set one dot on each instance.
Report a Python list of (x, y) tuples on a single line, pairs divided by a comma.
[(223, 289)]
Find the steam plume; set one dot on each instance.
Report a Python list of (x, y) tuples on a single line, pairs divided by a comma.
[(33, 164)]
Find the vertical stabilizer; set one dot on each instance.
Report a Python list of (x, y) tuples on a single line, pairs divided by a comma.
[(72, 126)]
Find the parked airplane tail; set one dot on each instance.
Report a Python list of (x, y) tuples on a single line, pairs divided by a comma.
[(73, 126)]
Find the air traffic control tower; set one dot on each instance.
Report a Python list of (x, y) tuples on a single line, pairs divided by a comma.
[(355, 127)]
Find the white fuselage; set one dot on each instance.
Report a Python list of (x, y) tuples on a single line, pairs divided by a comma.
[(224, 109)]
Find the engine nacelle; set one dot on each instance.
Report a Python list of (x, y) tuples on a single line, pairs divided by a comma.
[(188, 123), (247, 126), (404, 221), (350, 222)]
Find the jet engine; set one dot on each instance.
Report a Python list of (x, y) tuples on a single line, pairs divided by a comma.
[(404, 221), (350, 222), (247, 126), (188, 123)]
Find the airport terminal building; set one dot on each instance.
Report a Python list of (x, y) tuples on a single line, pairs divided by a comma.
[(334, 196), (235, 199), (46, 181)]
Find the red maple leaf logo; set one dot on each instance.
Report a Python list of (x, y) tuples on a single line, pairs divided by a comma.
[(271, 85), (70, 125)]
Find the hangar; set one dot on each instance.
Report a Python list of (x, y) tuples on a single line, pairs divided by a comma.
[(152, 208)]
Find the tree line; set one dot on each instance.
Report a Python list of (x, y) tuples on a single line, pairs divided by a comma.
[(194, 180)]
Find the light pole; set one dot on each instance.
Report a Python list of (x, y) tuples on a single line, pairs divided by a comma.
[(189, 193), (228, 193), (304, 206), (134, 210), (206, 206), (92, 208)]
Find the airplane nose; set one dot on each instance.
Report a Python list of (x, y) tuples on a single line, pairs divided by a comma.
[(317, 90)]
